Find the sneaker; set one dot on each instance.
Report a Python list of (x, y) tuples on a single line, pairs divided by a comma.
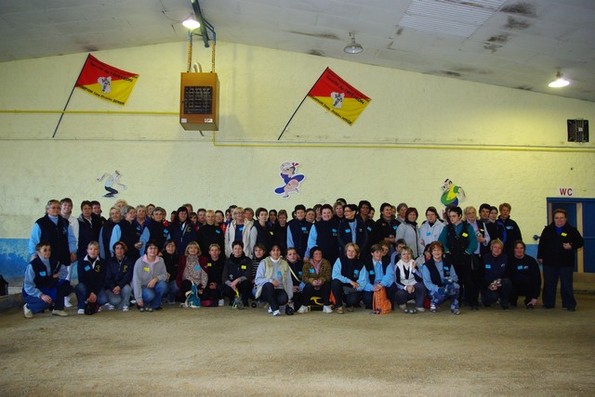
[(148, 309), (276, 313), (420, 309), (221, 302), (60, 313), (67, 302), (455, 311), (403, 307), (328, 309), (125, 308), (303, 309), (109, 306), (80, 311), (339, 310), (350, 309), (27, 312), (269, 310), (433, 308)]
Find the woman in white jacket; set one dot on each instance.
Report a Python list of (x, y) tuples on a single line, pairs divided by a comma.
[(273, 281), (430, 230), (408, 231), (409, 280)]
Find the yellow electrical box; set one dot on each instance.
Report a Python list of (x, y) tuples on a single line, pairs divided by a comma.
[(199, 102)]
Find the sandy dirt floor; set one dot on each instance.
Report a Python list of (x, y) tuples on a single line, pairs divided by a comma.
[(221, 351)]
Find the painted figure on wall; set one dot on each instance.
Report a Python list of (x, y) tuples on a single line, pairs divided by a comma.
[(291, 179), (451, 194), (111, 180)]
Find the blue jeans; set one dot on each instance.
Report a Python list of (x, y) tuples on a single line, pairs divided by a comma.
[(121, 299), (152, 296), (419, 295), (172, 291), (57, 293), (82, 294)]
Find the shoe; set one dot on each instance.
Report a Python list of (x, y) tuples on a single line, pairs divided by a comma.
[(571, 309), (412, 311), (67, 302), (27, 312), (339, 310), (125, 308), (148, 309), (158, 308), (276, 313), (60, 313), (221, 302), (141, 309), (303, 309), (80, 311), (350, 309), (328, 309), (420, 309), (433, 308), (403, 307), (269, 310), (133, 301), (455, 311), (109, 306)]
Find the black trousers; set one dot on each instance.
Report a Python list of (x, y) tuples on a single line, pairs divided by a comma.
[(275, 297)]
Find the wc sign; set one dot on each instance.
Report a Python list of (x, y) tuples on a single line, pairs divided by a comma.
[(565, 191)]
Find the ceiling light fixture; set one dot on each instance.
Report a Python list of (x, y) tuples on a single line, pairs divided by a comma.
[(191, 23), (559, 82), (353, 47)]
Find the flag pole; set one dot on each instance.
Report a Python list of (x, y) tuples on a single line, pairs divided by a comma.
[(298, 107), (291, 118), (69, 96)]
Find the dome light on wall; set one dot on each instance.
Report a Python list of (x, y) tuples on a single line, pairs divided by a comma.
[(353, 47)]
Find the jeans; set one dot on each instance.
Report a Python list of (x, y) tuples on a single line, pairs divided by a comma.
[(345, 293), (172, 291), (419, 295), (121, 299), (82, 294), (152, 296), (57, 293)]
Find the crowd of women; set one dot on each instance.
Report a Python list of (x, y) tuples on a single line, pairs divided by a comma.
[(330, 258)]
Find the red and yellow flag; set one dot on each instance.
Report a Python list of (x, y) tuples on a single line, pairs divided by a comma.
[(106, 81), (338, 97)]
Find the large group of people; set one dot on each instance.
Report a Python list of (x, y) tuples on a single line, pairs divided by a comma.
[(332, 258)]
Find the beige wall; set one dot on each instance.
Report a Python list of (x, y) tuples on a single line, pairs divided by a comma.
[(523, 158)]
